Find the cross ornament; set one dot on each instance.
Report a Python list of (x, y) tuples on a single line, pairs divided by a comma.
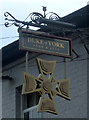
[(46, 85)]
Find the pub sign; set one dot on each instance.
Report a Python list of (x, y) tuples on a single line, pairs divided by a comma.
[(44, 43)]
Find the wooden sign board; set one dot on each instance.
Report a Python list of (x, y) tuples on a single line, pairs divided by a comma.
[(44, 43)]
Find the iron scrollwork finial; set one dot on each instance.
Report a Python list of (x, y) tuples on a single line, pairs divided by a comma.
[(44, 9)]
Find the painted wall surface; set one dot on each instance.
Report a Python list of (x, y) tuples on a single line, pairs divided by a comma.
[(0, 84), (76, 72)]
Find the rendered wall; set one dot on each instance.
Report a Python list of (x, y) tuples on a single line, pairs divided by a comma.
[(0, 84)]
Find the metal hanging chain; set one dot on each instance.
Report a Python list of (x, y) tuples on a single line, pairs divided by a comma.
[(65, 73), (27, 53), (65, 69)]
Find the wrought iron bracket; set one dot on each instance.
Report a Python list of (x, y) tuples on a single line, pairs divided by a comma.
[(48, 21), (33, 20)]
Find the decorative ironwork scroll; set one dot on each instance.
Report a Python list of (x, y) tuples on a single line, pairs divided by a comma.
[(38, 20), (34, 19), (47, 86)]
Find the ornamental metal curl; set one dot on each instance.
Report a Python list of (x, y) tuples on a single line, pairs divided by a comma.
[(7, 24), (6, 14), (13, 20), (53, 16), (35, 16)]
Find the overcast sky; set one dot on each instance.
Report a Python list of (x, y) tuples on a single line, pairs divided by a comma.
[(20, 9)]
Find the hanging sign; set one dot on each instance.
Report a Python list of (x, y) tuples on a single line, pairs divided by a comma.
[(44, 43)]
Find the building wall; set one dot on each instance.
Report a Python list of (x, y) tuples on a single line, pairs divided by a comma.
[(0, 84), (76, 72)]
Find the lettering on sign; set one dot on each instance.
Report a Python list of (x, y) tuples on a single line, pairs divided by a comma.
[(43, 43)]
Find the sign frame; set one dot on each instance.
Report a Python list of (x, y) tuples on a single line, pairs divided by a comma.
[(54, 43)]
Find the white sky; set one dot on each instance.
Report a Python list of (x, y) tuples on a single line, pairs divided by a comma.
[(20, 9)]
